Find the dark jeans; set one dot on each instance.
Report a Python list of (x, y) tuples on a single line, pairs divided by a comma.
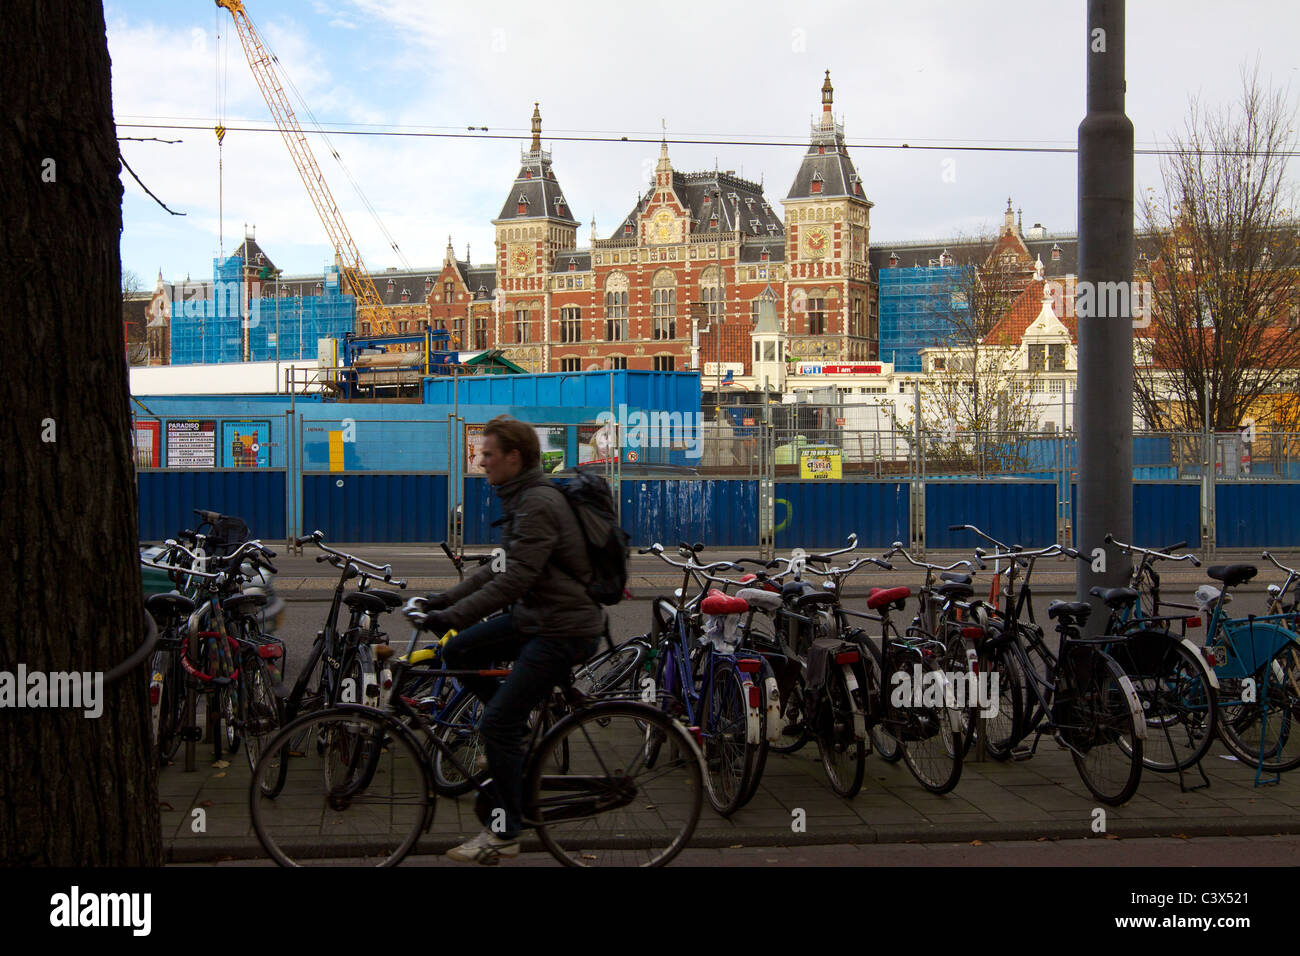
[(540, 663)]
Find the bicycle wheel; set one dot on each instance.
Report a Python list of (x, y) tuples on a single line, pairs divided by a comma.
[(955, 661), (886, 745), (1181, 709), (610, 808), (612, 671), (168, 712), (844, 755), (932, 744), (458, 731), (729, 756), (1097, 715), (1264, 732), (261, 708), (1004, 728), (348, 804), (761, 678)]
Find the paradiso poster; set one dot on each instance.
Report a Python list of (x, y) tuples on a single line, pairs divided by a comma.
[(550, 441)]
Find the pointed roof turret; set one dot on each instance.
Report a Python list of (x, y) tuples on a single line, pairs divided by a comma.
[(826, 169), (536, 193)]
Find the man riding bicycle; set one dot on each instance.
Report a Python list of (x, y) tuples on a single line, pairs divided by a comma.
[(551, 624)]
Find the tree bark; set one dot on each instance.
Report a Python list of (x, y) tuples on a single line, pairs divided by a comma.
[(74, 791)]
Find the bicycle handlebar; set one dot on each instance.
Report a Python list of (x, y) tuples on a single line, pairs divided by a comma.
[(899, 549), (1162, 553), (986, 537), (316, 538)]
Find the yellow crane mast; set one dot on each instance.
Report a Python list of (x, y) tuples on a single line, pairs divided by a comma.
[(370, 307)]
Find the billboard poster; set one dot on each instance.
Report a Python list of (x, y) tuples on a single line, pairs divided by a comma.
[(820, 462), (550, 441), (596, 444), (246, 444), (148, 442), (191, 444), (473, 449)]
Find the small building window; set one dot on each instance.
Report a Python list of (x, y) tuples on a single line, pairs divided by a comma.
[(618, 361), (570, 365), (665, 363)]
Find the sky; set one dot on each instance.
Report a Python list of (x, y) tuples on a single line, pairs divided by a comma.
[(921, 72)]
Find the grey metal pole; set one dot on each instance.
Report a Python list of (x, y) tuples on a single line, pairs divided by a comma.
[(1104, 402)]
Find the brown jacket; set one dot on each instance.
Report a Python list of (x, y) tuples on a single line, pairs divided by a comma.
[(544, 580)]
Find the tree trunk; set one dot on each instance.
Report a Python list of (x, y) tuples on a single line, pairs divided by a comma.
[(73, 790)]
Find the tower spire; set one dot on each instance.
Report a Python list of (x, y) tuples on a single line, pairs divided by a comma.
[(537, 128), (828, 98)]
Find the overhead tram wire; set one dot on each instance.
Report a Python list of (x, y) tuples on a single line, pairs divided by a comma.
[(656, 140)]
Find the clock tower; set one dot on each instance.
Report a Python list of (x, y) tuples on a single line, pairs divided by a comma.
[(831, 301), (535, 223)]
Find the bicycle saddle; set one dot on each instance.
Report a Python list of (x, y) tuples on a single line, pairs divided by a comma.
[(366, 602), (1071, 612), (956, 589), (814, 597), (244, 603), (955, 577), (1115, 597), (1232, 574), (391, 598), (879, 597), (759, 598), (163, 606), (718, 603)]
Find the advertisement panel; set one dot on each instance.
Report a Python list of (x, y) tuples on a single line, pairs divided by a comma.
[(246, 444), (550, 441), (191, 444), (148, 444), (820, 462)]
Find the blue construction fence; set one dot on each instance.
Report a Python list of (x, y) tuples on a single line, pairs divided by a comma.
[(405, 473)]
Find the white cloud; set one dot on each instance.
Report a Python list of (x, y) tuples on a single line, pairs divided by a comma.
[(923, 72)]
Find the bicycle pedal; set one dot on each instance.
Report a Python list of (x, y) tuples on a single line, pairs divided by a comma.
[(1021, 753)]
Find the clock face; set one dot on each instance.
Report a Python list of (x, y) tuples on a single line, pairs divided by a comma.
[(521, 260), (815, 243), (662, 229)]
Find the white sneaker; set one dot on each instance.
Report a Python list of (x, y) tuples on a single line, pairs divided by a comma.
[(486, 848)]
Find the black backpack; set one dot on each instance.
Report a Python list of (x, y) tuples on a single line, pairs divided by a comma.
[(607, 543)]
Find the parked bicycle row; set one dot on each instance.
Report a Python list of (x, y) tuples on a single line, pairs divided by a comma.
[(767, 660), (744, 658)]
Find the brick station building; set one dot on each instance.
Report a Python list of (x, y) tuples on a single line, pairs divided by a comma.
[(681, 281)]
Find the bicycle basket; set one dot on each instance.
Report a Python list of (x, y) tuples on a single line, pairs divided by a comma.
[(226, 534)]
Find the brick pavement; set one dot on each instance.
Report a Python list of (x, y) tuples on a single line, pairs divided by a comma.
[(1042, 797)]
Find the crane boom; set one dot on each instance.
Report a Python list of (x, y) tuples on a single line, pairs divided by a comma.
[(370, 307)]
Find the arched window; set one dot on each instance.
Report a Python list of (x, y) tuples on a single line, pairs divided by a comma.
[(712, 292), (664, 304), (616, 291)]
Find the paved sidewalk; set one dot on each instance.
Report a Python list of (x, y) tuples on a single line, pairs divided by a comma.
[(1038, 798)]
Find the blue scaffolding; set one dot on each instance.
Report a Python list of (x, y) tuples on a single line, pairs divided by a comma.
[(916, 305)]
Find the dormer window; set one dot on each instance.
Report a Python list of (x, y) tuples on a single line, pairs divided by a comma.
[(573, 265), (428, 284), (522, 203), (559, 205), (406, 296), (893, 259), (319, 288), (528, 174), (713, 222), (764, 256), (817, 182), (1056, 252), (627, 229), (391, 285), (821, 150)]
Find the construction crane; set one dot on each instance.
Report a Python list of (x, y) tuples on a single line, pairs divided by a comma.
[(370, 307)]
